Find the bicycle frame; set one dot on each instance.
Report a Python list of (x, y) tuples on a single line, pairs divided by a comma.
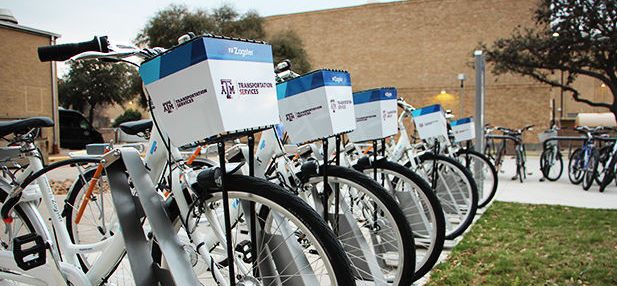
[(70, 266), (157, 161)]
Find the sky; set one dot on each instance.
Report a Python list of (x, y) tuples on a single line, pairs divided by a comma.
[(121, 20)]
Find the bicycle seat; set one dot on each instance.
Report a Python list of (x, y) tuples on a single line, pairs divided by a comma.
[(136, 127), (24, 125)]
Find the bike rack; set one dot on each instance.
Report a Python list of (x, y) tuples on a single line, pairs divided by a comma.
[(130, 210), (510, 137)]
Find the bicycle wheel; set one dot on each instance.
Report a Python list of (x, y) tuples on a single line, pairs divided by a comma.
[(484, 173), (499, 158), (551, 164), (575, 169), (520, 167), (591, 170), (609, 174), (605, 153), (455, 188), (371, 226), (294, 245), (285, 223), (421, 207), (97, 223)]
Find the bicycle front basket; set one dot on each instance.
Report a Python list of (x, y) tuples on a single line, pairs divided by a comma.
[(376, 111), (211, 85)]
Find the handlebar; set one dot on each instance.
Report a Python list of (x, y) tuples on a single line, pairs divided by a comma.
[(404, 105), (591, 132), (510, 131), (64, 52)]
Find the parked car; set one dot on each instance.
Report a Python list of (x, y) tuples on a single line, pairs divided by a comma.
[(76, 131)]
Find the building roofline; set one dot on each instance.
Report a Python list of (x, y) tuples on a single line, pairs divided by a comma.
[(392, 2), (28, 29)]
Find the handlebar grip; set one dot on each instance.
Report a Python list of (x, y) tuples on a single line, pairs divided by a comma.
[(64, 52)]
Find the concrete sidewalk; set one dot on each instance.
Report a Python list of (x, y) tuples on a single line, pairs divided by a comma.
[(532, 191), (560, 192)]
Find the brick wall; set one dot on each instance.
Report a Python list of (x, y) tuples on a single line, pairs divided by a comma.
[(25, 83), (420, 46)]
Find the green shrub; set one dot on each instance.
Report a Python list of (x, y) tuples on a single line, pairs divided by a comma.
[(128, 115)]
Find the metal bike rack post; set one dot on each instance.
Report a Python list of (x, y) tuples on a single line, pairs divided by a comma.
[(480, 66), (251, 145), (230, 256), (130, 210), (337, 160), (374, 160), (324, 200)]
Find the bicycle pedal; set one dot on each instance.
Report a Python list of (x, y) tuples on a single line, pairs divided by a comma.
[(34, 255), (245, 248)]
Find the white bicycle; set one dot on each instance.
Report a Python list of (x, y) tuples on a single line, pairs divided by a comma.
[(453, 184), (269, 236)]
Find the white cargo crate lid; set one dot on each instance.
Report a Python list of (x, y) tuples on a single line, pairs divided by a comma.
[(463, 129), (211, 85), (431, 122), (316, 105), (376, 114)]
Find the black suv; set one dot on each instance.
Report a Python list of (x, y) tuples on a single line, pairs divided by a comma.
[(75, 130)]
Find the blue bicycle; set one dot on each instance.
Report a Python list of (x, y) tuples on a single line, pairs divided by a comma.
[(583, 165)]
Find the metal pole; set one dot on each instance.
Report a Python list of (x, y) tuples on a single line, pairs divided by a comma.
[(226, 214), (462, 78), (462, 100), (480, 65), (561, 101)]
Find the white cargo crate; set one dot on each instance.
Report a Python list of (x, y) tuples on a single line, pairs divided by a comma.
[(463, 129), (431, 122), (316, 105), (211, 85), (376, 112), (548, 134)]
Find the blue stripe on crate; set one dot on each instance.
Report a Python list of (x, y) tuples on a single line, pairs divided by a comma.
[(426, 110), (150, 71), (176, 60), (374, 95), (222, 49), (200, 50), (461, 121), (312, 81)]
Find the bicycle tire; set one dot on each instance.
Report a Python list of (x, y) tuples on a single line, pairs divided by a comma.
[(71, 206), (249, 187), (499, 157), (609, 175), (548, 169), (488, 171), (589, 176), (427, 213), (458, 176), (376, 195), (575, 172), (520, 167), (604, 153)]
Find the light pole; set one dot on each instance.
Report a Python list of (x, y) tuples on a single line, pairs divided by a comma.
[(462, 77)]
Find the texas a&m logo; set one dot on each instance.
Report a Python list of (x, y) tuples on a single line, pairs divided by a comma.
[(227, 87), (289, 117), (333, 105), (168, 106)]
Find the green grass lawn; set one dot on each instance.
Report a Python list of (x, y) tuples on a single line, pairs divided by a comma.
[(523, 244)]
